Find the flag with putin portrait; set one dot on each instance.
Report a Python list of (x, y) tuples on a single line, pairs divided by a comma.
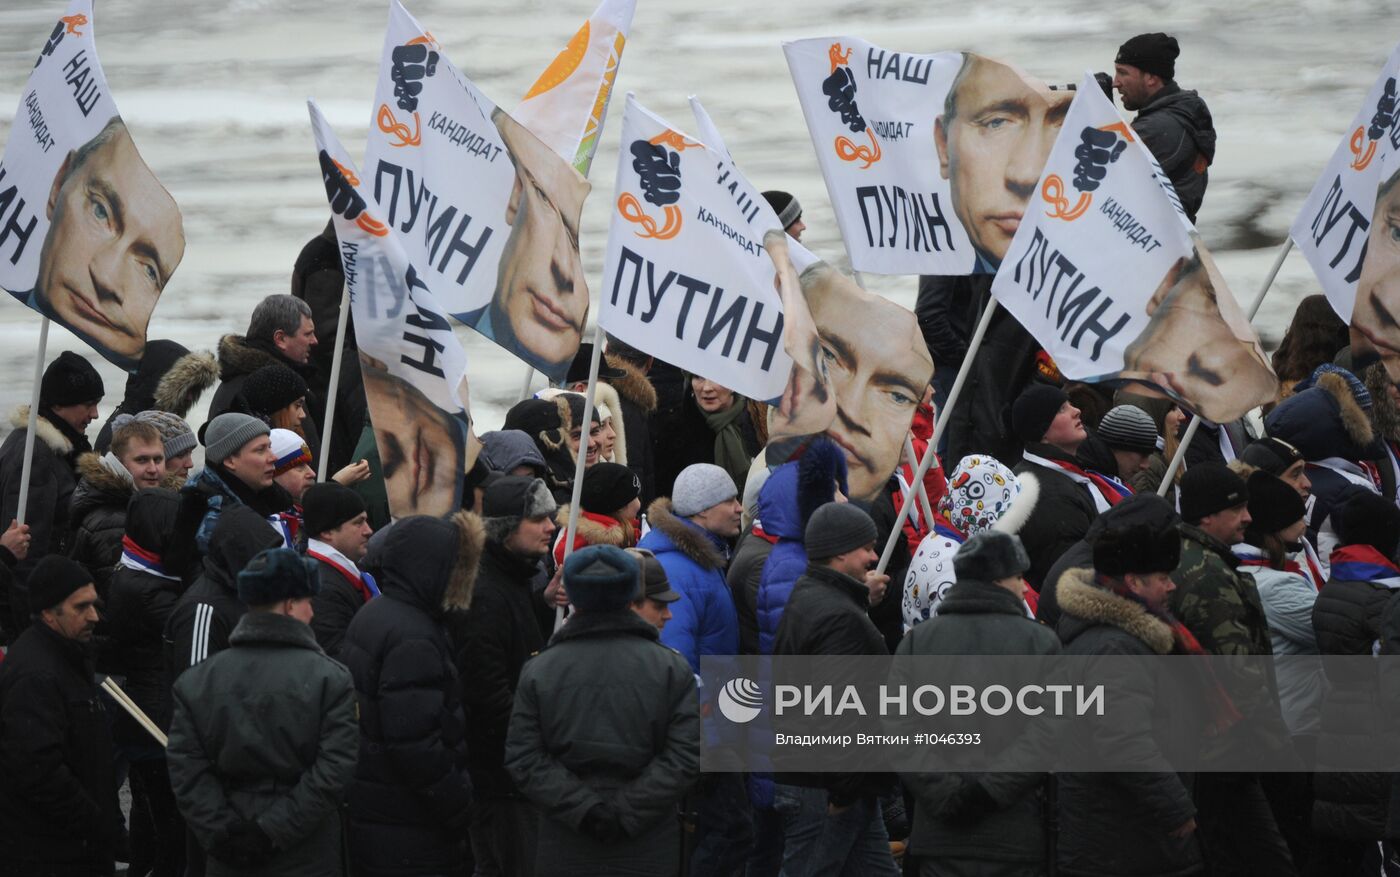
[(1110, 277), (929, 159), (1349, 227), (414, 367), (88, 236), (487, 211)]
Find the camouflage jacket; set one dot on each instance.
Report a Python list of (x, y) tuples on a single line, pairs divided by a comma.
[(1221, 608)]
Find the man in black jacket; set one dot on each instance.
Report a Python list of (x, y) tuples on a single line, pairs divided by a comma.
[(206, 614), (964, 823), (493, 641), (410, 801), (281, 331), (337, 531), (68, 397), (264, 737), (605, 734), (1049, 424), (1144, 821), (58, 793), (1174, 124), (834, 817)]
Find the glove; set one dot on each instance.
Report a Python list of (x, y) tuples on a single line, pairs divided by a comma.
[(246, 845), (969, 805), (602, 825)]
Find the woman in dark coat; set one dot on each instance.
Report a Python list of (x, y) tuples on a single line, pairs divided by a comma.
[(713, 424)]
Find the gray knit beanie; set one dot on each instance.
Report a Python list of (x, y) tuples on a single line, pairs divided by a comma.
[(701, 486), (175, 433), (836, 528), (227, 433)]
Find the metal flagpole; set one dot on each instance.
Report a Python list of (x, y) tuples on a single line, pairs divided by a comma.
[(938, 426), (334, 387), (577, 495), (33, 420), (1195, 424)]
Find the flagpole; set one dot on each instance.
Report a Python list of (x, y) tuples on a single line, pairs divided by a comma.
[(577, 496), (327, 424), (921, 494), (28, 463), (525, 386), (940, 422), (1195, 424)]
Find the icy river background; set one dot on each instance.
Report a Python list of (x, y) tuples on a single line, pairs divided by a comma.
[(214, 94)]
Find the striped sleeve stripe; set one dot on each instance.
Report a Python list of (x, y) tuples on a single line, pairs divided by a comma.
[(199, 642)]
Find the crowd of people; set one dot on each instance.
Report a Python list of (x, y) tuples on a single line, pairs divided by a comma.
[(329, 689)]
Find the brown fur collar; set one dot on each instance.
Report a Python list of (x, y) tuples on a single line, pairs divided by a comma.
[(104, 480), (633, 385), (595, 533), (1354, 418), (238, 357), (180, 387), (1079, 596), (689, 540), (471, 540), (45, 432)]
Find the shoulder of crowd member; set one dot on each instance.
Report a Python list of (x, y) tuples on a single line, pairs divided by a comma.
[(687, 539)]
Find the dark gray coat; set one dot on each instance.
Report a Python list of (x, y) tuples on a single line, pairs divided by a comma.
[(606, 719), (1119, 824), (266, 730), (977, 618), (1176, 128)]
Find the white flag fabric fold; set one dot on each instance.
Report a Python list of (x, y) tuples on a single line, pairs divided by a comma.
[(1109, 276), (567, 105), (88, 235), (1349, 226), (487, 211), (415, 370)]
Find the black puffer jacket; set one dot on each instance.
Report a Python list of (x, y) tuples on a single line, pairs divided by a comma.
[(58, 791), (977, 618), (334, 606), (411, 796), (1176, 128), (1119, 824), (743, 577), (98, 517), (605, 719), (1347, 620), (52, 480), (139, 604), (493, 640), (1063, 514), (826, 615)]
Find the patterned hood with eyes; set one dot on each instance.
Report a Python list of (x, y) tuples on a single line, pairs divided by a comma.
[(980, 491)]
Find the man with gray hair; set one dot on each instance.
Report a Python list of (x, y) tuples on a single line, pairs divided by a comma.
[(493, 640), (280, 332)]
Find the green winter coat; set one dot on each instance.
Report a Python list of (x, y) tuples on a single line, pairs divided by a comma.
[(266, 730), (1221, 607)]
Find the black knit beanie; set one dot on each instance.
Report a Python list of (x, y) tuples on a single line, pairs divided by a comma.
[(53, 579), (1151, 53), (69, 380)]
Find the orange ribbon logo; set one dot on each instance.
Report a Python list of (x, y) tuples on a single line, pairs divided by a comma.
[(74, 22), (846, 150), (397, 130), (1053, 193), (1361, 158), (364, 220), (631, 210)]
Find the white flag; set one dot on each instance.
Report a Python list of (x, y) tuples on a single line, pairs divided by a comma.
[(99, 259), (929, 159), (488, 211), (1111, 279), (1350, 224), (415, 370)]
